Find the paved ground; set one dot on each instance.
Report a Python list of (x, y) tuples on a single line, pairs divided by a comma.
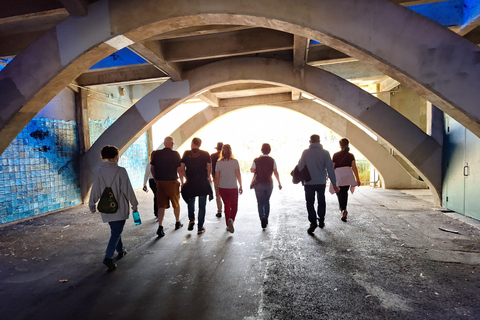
[(389, 261)]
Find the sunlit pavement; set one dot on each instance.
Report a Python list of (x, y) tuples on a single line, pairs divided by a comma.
[(389, 261)]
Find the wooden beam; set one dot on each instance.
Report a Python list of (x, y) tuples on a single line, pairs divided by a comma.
[(226, 44), (122, 75), (76, 7), (320, 54), (198, 31), (209, 98), (152, 52), (256, 100), (300, 46)]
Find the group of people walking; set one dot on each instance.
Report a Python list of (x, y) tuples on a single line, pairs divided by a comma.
[(190, 176)]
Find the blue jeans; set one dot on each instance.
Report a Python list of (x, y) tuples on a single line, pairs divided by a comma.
[(202, 203), (263, 191), (115, 242), (310, 191)]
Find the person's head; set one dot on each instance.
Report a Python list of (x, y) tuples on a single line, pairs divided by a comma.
[(226, 153), (314, 138), (196, 143), (168, 142), (109, 153), (219, 146), (151, 154), (266, 148), (344, 144)]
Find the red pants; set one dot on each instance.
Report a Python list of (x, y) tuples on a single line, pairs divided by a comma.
[(230, 202)]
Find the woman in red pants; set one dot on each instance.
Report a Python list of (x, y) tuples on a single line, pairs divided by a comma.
[(227, 173)]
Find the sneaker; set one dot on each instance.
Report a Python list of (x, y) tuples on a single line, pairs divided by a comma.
[(321, 224), (201, 231), (178, 225), (219, 214), (121, 254), (312, 228), (264, 222), (230, 226), (109, 263), (160, 232), (191, 224)]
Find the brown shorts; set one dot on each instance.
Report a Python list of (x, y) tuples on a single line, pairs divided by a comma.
[(168, 191)]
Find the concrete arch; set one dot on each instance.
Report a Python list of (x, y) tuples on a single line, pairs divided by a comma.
[(421, 151), (393, 175), (436, 63)]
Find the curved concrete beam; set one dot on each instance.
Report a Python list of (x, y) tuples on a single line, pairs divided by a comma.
[(392, 174), (421, 151), (439, 65)]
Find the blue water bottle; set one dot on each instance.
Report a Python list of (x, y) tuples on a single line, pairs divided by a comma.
[(136, 218)]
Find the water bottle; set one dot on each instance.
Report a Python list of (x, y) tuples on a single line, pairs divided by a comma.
[(136, 218)]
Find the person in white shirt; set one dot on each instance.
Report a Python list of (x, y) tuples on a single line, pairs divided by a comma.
[(151, 183)]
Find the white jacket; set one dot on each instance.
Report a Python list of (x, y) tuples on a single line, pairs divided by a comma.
[(345, 177), (121, 187)]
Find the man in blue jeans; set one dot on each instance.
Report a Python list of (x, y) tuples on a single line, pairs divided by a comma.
[(196, 166), (319, 163)]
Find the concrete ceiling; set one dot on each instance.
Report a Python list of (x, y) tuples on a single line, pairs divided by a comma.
[(169, 55)]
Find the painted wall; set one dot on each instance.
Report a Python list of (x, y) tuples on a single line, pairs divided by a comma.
[(105, 105), (39, 170)]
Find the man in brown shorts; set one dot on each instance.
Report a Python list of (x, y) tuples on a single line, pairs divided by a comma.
[(165, 169)]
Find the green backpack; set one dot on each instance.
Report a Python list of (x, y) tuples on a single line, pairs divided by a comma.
[(108, 203)]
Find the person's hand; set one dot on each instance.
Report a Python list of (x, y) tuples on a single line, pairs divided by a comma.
[(145, 188), (336, 189), (240, 190), (280, 186), (93, 209), (217, 192), (359, 183), (134, 209)]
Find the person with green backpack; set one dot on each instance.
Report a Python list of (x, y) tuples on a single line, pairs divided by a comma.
[(113, 191)]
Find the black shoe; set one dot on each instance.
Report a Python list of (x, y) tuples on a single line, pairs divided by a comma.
[(109, 263), (321, 224), (160, 232), (178, 225), (191, 224), (312, 228), (121, 254), (264, 222), (219, 214)]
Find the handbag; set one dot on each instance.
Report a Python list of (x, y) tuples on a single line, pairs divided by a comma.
[(108, 204)]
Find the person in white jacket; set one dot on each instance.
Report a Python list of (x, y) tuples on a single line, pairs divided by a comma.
[(152, 183), (347, 175), (109, 174)]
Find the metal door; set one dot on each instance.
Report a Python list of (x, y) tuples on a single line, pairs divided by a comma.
[(453, 194), (472, 176)]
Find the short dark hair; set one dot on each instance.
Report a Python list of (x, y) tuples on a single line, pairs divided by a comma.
[(197, 141), (109, 152), (266, 148), (315, 138), (344, 144)]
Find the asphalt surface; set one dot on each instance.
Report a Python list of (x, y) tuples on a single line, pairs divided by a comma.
[(389, 261)]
